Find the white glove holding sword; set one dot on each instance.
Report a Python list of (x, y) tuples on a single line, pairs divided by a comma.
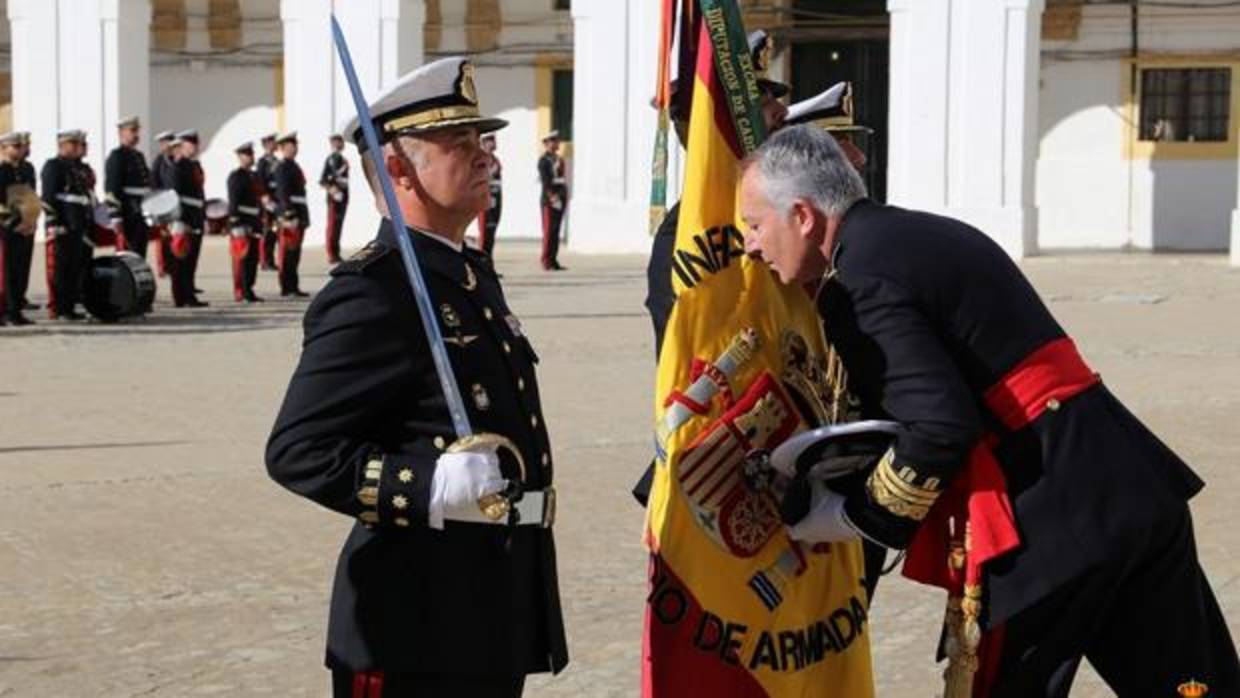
[(461, 479)]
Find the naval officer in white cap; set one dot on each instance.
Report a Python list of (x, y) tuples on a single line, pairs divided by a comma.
[(437, 593)]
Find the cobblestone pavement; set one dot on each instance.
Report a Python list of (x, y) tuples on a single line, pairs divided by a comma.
[(143, 551)]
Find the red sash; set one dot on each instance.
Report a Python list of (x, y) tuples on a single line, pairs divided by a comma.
[(972, 523)]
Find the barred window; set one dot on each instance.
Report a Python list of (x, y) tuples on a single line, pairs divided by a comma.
[(1185, 104)]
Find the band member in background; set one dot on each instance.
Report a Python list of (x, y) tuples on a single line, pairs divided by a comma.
[(488, 220), (191, 182), (1058, 522), (95, 234), (159, 163), (554, 200), (68, 219), (16, 239), (127, 180), (365, 432), (180, 176), (266, 170), (245, 224), (292, 214), (24, 251), (335, 179)]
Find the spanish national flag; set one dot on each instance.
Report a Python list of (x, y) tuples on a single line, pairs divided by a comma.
[(735, 607)]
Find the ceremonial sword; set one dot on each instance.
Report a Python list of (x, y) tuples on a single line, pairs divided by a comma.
[(492, 505)]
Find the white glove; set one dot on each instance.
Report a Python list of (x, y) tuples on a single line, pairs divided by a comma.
[(460, 480), (825, 522)]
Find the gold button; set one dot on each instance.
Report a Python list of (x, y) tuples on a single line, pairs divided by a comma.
[(401, 521), (534, 421), (440, 443), (486, 312), (400, 501), (507, 348), (546, 459), (369, 517), (520, 384), (405, 475), (1052, 405)]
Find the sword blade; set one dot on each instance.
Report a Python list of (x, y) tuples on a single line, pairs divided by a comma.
[(426, 309)]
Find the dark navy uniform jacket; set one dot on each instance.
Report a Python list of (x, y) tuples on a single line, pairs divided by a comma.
[(66, 195), (336, 172), (551, 177), (365, 409), (185, 177), (245, 191), (290, 193), (127, 179), (927, 313)]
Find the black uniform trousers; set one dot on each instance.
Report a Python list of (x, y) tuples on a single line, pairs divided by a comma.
[(137, 234), (488, 224), (335, 226), (269, 242), (16, 272), (69, 261), (178, 271), (551, 219), (383, 685), (195, 251), (19, 253), (1147, 624)]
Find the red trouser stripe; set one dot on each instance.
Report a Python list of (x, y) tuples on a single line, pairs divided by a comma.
[(368, 684)]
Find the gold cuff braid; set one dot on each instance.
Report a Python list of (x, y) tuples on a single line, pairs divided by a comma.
[(895, 491)]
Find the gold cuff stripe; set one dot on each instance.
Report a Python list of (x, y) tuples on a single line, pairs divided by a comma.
[(895, 492), (368, 493), (431, 116)]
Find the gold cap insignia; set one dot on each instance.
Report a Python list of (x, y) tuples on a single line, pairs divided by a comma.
[(466, 84), (1192, 689)]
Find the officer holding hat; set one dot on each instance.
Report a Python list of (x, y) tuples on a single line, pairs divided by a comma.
[(437, 593), (15, 238)]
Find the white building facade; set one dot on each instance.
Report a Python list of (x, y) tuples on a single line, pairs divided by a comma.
[(1049, 124)]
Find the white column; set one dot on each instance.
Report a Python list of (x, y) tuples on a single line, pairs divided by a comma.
[(316, 95), (613, 126), (79, 65), (126, 28), (963, 119), (35, 57)]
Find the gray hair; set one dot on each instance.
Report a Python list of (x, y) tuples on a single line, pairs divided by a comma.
[(805, 162)]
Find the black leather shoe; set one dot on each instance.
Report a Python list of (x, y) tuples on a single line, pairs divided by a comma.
[(197, 303), (20, 320), (72, 315), (27, 305), (300, 294)]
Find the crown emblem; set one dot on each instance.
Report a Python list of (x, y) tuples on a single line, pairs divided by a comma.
[(1192, 689)]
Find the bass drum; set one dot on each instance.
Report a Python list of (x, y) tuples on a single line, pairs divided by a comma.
[(120, 286)]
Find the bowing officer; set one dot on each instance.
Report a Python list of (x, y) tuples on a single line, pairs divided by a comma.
[(126, 181), (435, 594), (245, 224), (1058, 522), (292, 215)]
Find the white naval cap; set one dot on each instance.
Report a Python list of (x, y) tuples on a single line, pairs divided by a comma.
[(436, 96), (832, 109)]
